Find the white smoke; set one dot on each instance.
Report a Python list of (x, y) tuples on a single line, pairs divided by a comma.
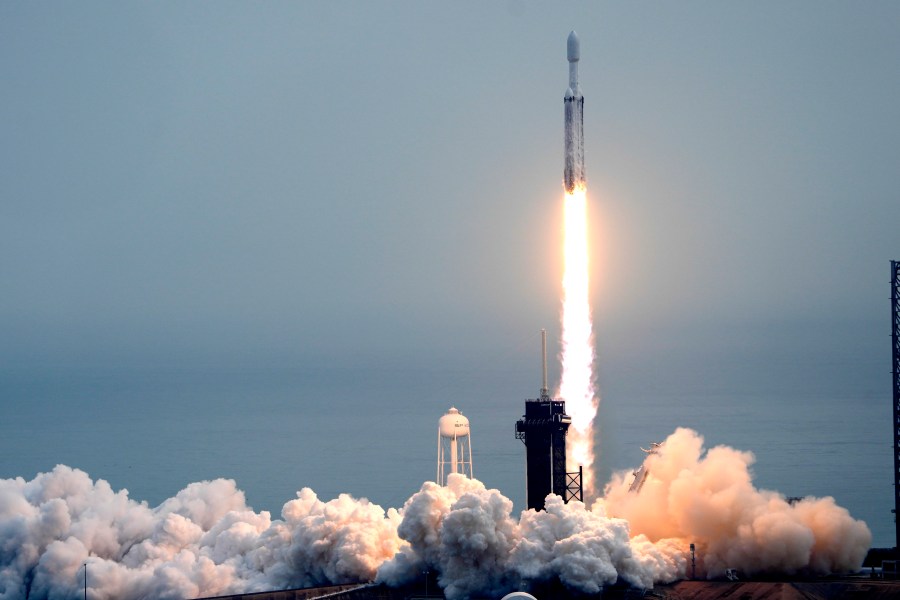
[(203, 542), (206, 541), (708, 498), (463, 531), (466, 533)]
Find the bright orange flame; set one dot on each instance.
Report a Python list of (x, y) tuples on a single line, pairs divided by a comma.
[(577, 382)]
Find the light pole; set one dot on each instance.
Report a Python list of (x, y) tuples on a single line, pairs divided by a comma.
[(85, 581), (693, 564)]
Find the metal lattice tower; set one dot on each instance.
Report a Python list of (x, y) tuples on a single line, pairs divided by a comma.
[(895, 373), (574, 488)]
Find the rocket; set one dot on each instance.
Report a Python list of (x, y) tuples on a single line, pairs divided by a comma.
[(573, 172)]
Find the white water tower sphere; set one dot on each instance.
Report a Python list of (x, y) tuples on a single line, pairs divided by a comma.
[(453, 424), (454, 446)]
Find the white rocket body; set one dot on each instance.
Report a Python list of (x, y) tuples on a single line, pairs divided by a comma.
[(573, 172)]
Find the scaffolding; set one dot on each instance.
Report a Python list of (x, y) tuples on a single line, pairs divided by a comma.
[(574, 489)]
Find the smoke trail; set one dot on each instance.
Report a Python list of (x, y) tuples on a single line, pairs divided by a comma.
[(577, 357), (206, 541)]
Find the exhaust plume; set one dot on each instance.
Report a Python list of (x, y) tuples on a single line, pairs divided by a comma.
[(577, 357)]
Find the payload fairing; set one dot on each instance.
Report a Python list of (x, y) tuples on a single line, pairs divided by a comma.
[(573, 175)]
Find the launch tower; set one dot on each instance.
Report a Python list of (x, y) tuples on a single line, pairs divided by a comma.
[(543, 430)]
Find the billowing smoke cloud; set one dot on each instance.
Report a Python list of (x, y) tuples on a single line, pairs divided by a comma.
[(203, 542), (206, 541), (467, 534), (708, 498)]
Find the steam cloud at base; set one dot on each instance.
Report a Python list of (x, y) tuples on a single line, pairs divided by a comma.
[(205, 541), (708, 498)]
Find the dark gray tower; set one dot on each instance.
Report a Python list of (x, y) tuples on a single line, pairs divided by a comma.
[(543, 429)]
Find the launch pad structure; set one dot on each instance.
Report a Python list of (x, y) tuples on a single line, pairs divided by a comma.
[(543, 430)]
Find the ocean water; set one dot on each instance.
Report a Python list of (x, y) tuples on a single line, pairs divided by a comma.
[(372, 432)]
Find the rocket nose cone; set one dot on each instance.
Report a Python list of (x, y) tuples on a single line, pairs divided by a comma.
[(573, 46)]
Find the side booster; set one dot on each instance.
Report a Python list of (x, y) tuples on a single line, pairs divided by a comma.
[(573, 172)]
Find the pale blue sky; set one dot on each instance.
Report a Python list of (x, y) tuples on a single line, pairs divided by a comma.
[(234, 182), (238, 182)]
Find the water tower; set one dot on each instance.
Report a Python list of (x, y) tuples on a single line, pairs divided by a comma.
[(454, 446)]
